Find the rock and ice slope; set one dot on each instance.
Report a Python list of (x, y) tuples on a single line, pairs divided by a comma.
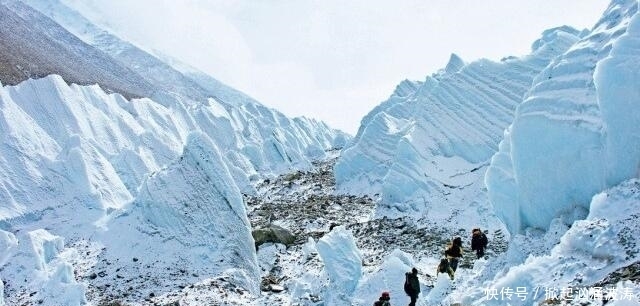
[(574, 134), (430, 143), (254, 138), (73, 156), (107, 198), (32, 46), (586, 258)]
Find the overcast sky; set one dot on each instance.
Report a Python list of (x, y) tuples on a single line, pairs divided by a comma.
[(333, 60)]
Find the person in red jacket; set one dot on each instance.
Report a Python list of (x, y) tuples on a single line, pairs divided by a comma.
[(383, 300)]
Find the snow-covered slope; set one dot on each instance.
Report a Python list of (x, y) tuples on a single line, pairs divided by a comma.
[(253, 138), (117, 179), (105, 198), (589, 252), (73, 157), (428, 145), (574, 134)]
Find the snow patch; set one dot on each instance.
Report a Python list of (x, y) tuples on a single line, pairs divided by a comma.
[(589, 251)]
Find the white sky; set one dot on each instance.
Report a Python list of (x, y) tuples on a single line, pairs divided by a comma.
[(333, 60)]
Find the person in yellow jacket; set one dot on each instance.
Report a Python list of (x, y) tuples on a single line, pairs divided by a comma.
[(454, 253), (444, 267)]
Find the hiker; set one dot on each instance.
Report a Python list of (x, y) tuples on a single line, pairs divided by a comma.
[(444, 267), (383, 300), (479, 242), (454, 253), (412, 286)]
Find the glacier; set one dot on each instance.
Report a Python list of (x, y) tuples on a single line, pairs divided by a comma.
[(589, 251), (531, 140), (579, 114), (429, 145), (97, 167), (105, 198), (99, 189)]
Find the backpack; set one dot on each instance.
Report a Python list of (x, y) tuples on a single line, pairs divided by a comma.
[(454, 251), (483, 240), (443, 266), (407, 286)]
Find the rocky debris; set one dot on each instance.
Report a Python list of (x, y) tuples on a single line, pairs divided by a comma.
[(271, 283), (288, 209), (306, 203), (628, 273), (111, 303), (274, 234)]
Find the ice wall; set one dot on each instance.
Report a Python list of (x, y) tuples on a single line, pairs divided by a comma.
[(73, 157), (253, 138), (82, 143), (572, 136), (616, 79), (589, 251), (429, 144)]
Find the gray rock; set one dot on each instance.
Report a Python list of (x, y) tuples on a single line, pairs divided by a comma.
[(274, 234)]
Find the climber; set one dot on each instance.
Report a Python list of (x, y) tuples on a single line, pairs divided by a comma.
[(412, 286), (443, 267), (454, 253), (479, 242), (383, 300)]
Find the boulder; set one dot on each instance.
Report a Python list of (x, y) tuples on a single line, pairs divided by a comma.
[(274, 234)]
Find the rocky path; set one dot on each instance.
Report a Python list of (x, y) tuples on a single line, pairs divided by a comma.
[(305, 203)]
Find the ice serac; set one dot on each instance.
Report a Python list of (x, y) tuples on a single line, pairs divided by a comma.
[(589, 251), (455, 64), (193, 205), (253, 138), (572, 135), (390, 273), (431, 141), (86, 156), (40, 265), (342, 262), (616, 80)]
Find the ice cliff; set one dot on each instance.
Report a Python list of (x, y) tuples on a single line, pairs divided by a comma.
[(573, 134), (430, 143)]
